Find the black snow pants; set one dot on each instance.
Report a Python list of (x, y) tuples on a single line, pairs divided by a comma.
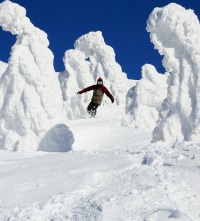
[(92, 109)]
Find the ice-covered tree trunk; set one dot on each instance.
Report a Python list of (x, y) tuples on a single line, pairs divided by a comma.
[(31, 111), (175, 32), (90, 59)]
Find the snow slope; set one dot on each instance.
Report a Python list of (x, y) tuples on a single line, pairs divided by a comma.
[(104, 168), (113, 173)]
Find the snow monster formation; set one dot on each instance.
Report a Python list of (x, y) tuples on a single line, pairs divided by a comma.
[(144, 100), (90, 59), (175, 33), (31, 105)]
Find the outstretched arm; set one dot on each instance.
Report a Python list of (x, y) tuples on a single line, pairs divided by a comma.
[(86, 89)]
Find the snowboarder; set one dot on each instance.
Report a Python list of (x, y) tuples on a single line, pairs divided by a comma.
[(98, 91)]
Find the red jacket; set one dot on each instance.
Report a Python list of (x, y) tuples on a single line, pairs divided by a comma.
[(98, 93)]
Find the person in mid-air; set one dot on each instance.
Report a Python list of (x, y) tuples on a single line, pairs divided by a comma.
[(98, 91)]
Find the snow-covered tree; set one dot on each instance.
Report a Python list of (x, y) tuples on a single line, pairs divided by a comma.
[(144, 101), (175, 32), (31, 105), (90, 59), (76, 75)]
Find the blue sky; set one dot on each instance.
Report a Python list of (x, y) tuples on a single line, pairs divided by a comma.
[(122, 23)]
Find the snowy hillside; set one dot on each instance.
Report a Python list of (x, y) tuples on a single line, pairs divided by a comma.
[(113, 173), (137, 160)]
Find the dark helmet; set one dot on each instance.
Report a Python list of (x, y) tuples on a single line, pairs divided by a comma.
[(99, 81)]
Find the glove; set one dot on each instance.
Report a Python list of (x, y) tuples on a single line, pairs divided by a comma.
[(112, 101), (78, 92)]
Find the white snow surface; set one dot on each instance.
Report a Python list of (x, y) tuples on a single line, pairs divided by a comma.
[(57, 164), (113, 173)]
